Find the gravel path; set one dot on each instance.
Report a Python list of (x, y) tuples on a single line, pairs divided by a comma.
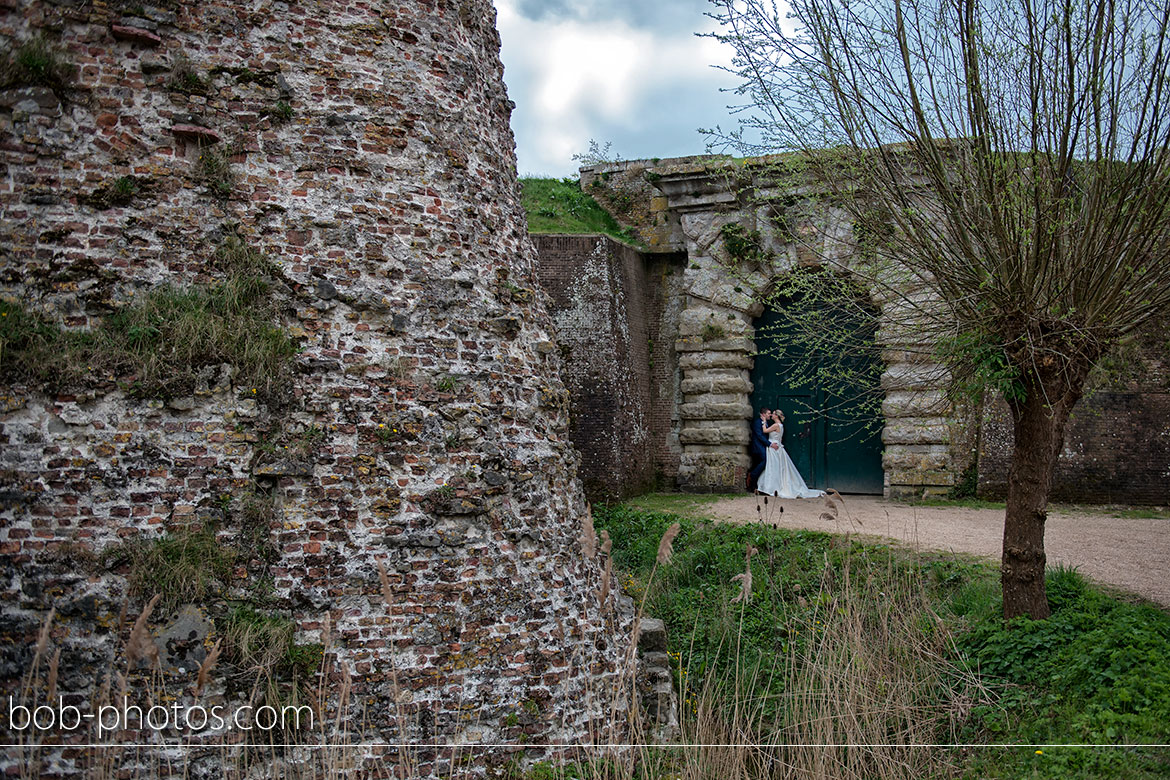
[(1133, 554)]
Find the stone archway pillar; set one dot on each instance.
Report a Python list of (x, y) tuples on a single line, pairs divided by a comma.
[(715, 412)]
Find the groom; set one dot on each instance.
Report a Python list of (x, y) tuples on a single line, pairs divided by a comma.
[(759, 449)]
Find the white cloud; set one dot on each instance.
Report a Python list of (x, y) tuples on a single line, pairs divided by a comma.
[(575, 80)]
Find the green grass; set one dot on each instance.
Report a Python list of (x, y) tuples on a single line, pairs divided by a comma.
[(689, 504), (155, 346), (1142, 513), (1096, 672), (1128, 512), (182, 567), (559, 206), (790, 573), (1125, 512)]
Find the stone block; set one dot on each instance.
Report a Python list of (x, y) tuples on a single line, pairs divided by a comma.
[(719, 385), (124, 32), (715, 435), (715, 411), (916, 478), (914, 376), (698, 343), (652, 636), (916, 456), (200, 135), (915, 403), (917, 430), (711, 359)]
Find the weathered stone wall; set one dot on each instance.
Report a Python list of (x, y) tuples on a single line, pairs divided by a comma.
[(609, 303), (1117, 447), (426, 426)]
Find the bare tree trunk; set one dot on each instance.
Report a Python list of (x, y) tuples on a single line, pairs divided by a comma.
[(1039, 422)]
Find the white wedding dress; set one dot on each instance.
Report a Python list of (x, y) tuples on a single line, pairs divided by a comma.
[(780, 477)]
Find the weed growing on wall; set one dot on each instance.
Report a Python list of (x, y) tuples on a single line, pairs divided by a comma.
[(156, 346), (117, 192), (36, 63), (262, 650), (281, 111), (214, 169), (185, 77), (186, 566)]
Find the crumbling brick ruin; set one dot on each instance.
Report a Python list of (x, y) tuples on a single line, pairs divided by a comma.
[(339, 177)]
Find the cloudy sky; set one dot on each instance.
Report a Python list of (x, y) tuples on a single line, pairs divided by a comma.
[(630, 72)]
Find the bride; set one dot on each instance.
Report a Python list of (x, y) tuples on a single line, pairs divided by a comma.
[(780, 477)]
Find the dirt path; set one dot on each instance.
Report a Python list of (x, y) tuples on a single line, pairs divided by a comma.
[(1133, 554)]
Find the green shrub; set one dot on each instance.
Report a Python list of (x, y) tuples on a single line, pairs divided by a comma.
[(743, 245)]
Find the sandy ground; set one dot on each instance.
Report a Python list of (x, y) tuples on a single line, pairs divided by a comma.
[(1133, 554)]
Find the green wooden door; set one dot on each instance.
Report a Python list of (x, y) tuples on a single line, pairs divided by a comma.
[(830, 434)]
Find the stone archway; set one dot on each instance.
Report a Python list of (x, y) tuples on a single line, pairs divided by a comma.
[(716, 345)]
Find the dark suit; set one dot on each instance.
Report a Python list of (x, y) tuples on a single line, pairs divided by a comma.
[(759, 452)]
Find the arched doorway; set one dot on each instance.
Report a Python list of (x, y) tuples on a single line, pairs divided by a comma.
[(818, 362)]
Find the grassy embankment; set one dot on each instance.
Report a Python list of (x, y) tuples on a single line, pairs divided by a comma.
[(559, 206), (843, 643)]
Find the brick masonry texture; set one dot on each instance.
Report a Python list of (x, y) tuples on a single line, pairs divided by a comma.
[(609, 303), (427, 425), (1117, 447), (1116, 451)]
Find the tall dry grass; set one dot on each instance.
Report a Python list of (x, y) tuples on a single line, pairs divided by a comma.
[(868, 694)]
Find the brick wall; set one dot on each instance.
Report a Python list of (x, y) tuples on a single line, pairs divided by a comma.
[(1117, 447), (609, 302), (1117, 451), (425, 429)]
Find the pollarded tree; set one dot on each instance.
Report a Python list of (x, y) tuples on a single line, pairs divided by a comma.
[(1021, 151)]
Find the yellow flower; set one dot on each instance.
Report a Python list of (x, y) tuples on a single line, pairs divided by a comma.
[(1039, 752)]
